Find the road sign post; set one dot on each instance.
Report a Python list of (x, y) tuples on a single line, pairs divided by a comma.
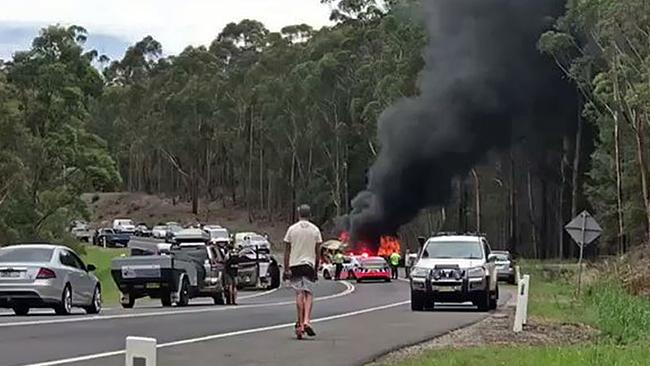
[(583, 229)]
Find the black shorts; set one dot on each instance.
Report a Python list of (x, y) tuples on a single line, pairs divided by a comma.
[(303, 271)]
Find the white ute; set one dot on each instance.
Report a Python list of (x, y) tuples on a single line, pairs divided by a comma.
[(454, 268)]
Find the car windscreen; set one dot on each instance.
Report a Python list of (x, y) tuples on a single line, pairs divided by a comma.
[(219, 234), (159, 228), (501, 257), (453, 249), (25, 255)]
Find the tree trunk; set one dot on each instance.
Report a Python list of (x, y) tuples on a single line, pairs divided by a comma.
[(513, 207), (619, 184), (531, 214), (249, 183), (575, 179), (477, 198), (643, 169), (194, 191), (261, 178)]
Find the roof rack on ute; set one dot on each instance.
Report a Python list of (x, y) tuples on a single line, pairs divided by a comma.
[(445, 233)]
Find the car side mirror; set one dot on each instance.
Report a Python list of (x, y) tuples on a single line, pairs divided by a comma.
[(492, 258), (91, 268)]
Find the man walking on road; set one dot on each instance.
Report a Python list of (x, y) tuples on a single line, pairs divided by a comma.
[(303, 240), (394, 264)]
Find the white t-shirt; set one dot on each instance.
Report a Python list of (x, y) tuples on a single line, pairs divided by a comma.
[(303, 237)]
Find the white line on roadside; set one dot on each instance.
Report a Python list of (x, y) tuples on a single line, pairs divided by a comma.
[(221, 335), (349, 289)]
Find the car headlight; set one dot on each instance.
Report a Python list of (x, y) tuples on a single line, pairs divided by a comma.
[(476, 272), (419, 272)]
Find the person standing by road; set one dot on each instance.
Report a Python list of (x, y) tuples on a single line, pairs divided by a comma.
[(232, 272), (338, 264), (303, 240), (394, 264)]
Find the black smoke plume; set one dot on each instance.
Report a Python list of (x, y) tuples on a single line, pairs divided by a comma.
[(484, 85)]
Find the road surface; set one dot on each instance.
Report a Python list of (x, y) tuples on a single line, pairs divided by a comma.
[(355, 323)]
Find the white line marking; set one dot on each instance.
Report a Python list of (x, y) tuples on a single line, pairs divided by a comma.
[(257, 294), (349, 289), (222, 335)]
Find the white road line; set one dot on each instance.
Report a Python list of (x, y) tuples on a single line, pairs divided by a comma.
[(349, 289), (222, 335), (258, 294)]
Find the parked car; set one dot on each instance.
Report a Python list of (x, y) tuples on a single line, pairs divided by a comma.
[(82, 232), (455, 268), (192, 268), (47, 276), (372, 268), (170, 233), (143, 230), (505, 266), (218, 235), (109, 238), (125, 225), (159, 232), (257, 267)]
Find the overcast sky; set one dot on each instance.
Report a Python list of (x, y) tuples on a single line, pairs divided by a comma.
[(114, 24)]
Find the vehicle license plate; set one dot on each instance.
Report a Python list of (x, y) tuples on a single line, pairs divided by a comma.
[(447, 289), (153, 285), (10, 274)]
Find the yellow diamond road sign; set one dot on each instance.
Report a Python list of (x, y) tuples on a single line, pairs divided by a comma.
[(583, 229)]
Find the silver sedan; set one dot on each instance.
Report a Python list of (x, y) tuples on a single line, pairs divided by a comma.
[(47, 276)]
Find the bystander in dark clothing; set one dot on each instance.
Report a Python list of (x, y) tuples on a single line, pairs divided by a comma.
[(231, 275)]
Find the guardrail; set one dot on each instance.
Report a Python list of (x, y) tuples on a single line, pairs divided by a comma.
[(140, 351), (521, 310)]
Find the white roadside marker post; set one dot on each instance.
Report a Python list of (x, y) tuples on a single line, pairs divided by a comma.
[(525, 298), (522, 304), (140, 351)]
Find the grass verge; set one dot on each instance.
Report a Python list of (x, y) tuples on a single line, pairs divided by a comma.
[(623, 320), (101, 258)]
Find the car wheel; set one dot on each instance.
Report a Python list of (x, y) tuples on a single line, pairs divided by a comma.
[(483, 301), (358, 280), (129, 303), (494, 299), (95, 306), (387, 280), (275, 276), (219, 299), (512, 280), (166, 299), (417, 301), (184, 298), (65, 307), (327, 275), (21, 310)]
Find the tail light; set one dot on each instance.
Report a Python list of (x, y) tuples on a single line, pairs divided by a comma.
[(45, 274)]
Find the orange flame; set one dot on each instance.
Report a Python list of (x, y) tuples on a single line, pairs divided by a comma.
[(388, 245)]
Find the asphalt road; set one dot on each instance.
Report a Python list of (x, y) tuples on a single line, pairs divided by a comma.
[(355, 323)]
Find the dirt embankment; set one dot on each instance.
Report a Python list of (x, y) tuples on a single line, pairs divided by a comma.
[(152, 210)]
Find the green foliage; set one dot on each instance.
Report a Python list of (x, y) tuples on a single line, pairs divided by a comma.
[(602, 46), (624, 319), (261, 118), (49, 158)]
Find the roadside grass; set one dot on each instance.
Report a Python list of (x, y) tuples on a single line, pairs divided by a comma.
[(101, 258), (587, 355), (622, 319)]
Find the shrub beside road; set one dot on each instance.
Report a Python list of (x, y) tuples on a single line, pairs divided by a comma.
[(622, 321)]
